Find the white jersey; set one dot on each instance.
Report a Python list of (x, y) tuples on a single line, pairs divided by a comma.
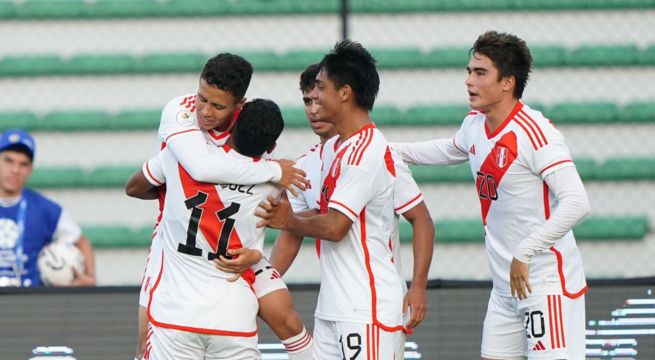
[(359, 282), (509, 167), (311, 163), (201, 220), (179, 131), (406, 195)]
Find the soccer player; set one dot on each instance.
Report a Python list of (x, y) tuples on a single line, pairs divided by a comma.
[(29, 221), (408, 202), (359, 310), (531, 196), (189, 124), (194, 310)]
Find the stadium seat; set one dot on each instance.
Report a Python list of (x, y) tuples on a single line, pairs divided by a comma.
[(451, 231), (548, 56), (616, 55), (27, 65), (386, 115), (629, 169), (134, 120), (621, 169), (641, 112), (74, 120), (20, 119), (171, 63), (297, 60), (99, 64), (648, 56), (588, 113), (398, 58), (435, 115), (37, 9)]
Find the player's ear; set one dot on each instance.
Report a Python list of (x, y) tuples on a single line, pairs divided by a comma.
[(241, 102), (509, 82), (345, 93)]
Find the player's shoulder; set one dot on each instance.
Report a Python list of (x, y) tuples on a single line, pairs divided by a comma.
[(369, 146), (186, 102), (475, 115), (313, 151), (535, 126)]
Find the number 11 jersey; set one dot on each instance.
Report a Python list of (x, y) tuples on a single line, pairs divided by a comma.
[(199, 222)]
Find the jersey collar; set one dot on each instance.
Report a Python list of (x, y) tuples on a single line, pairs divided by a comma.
[(517, 108)]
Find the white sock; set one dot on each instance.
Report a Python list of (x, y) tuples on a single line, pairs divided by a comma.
[(299, 347)]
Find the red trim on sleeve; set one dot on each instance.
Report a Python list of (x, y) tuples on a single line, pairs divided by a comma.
[(178, 133), (458, 148), (555, 164), (546, 202), (150, 174), (344, 206), (408, 203)]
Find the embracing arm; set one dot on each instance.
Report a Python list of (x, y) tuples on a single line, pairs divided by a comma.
[(434, 152), (573, 206)]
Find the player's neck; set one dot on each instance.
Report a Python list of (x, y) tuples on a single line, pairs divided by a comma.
[(498, 113), (352, 122)]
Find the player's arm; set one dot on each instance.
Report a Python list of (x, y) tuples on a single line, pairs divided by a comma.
[(191, 151), (144, 183), (573, 206), (277, 214), (434, 152), (287, 246), (422, 247)]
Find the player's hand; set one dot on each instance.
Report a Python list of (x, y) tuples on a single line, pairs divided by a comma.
[(292, 178), (275, 213), (83, 279), (519, 279), (242, 261), (415, 301)]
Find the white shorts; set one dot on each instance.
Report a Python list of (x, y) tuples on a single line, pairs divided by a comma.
[(267, 279), (170, 344), (153, 264), (343, 340), (540, 327)]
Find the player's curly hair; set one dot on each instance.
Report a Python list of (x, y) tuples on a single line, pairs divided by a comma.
[(349, 63), (308, 78), (259, 125), (509, 53), (228, 72)]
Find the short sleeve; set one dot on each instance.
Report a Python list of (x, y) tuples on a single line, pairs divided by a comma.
[(177, 117), (354, 189), (406, 193), (553, 155), (153, 170)]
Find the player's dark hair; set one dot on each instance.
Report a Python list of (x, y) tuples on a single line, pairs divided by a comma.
[(509, 53), (258, 127), (308, 78), (20, 148), (350, 64), (228, 72)]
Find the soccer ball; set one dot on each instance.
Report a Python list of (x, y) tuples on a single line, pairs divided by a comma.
[(56, 263)]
